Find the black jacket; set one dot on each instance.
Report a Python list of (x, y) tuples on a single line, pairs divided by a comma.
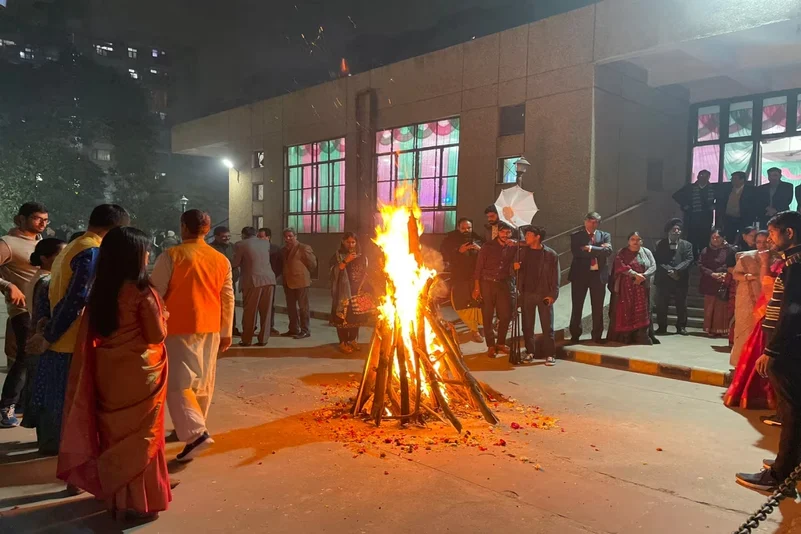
[(276, 260), (680, 260), (784, 344), (548, 277), (582, 260), (460, 265), (748, 201), (781, 199)]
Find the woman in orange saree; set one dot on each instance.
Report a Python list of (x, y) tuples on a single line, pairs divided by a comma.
[(113, 432)]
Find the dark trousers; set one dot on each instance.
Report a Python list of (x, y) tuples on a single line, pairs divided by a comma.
[(732, 227), (498, 299), (272, 313), (699, 228), (785, 377), (15, 380), (592, 283), (663, 294), (297, 304), (346, 335), (257, 301), (532, 305)]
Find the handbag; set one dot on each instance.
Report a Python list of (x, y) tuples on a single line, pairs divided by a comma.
[(362, 303), (723, 290)]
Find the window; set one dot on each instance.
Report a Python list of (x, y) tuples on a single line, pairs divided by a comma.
[(741, 119), (774, 115), (507, 170), (101, 154), (258, 221), (104, 49), (6, 42), (708, 123), (315, 186), (513, 119), (155, 52), (258, 159), (26, 53), (133, 74), (132, 52), (426, 154), (154, 71), (258, 192)]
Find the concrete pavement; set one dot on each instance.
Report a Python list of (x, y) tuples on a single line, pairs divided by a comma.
[(631, 453)]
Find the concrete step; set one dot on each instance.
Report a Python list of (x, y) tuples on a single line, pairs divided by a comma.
[(692, 322), (691, 312)]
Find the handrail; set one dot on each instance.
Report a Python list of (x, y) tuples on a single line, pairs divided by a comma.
[(616, 215)]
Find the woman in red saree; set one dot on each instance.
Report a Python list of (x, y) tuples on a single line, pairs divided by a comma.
[(630, 309), (748, 389), (112, 444)]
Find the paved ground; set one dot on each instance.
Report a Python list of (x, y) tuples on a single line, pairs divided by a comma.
[(631, 454)]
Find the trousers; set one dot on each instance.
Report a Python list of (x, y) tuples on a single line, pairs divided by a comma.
[(297, 304), (17, 374), (192, 362), (257, 301), (663, 294), (579, 288), (497, 297), (785, 377), (532, 305)]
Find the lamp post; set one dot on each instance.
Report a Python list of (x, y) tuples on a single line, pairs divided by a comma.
[(521, 167), (184, 201), (230, 166)]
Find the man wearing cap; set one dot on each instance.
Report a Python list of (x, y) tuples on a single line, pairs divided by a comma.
[(673, 256)]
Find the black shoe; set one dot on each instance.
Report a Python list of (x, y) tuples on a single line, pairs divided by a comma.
[(575, 340), (237, 332), (599, 340), (261, 344), (243, 344), (768, 464), (762, 481), (172, 437), (661, 332), (303, 335), (288, 334), (682, 332), (771, 420), (196, 447)]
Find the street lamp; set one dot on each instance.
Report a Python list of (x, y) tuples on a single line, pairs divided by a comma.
[(184, 202), (521, 167), (230, 166)]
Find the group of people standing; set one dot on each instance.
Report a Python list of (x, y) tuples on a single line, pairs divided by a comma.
[(102, 347)]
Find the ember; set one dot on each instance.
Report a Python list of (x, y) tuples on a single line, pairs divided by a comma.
[(414, 366)]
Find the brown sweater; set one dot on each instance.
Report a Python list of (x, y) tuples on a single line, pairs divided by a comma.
[(15, 265)]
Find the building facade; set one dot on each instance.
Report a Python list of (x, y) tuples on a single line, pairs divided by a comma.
[(604, 101)]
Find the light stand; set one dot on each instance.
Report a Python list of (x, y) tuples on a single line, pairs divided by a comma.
[(515, 334)]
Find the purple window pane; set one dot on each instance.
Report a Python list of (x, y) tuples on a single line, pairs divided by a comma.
[(428, 221), (439, 222), (385, 192), (383, 142), (306, 224), (774, 115), (305, 153), (427, 193), (428, 162), (384, 168), (708, 123), (706, 157), (426, 136)]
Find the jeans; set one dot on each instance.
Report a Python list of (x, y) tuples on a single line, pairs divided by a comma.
[(532, 305), (297, 304), (785, 377), (498, 299), (663, 294), (15, 380), (597, 289)]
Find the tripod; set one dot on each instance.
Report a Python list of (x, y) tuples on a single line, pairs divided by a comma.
[(515, 332)]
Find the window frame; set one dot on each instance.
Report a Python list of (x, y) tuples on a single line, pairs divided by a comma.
[(499, 175), (257, 192), (416, 178), (509, 111), (316, 164)]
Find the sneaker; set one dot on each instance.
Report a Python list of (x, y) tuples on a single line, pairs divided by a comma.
[(302, 335), (768, 464), (682, 332), (762, 481), (771, 420), (492, 353), (550, 361), (196, 447), (527, 358), (7, 418), (288, 334), (477, 337)]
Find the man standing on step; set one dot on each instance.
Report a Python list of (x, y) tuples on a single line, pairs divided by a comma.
[(697, 200), (299, 262), (674, 257), (588, 272), (781, 362), (196, 283)]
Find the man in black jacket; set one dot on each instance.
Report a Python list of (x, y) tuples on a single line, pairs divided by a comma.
[(735, 206), (460, 252), (697, 200), (781, 362), (674, 257), (538, 272), (773, 197), (588, 272)]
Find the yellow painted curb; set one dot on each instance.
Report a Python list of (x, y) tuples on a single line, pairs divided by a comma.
[(645, 367), (712, 378), (591, 358)]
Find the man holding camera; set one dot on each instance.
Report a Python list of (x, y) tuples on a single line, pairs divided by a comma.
[(460, 251)]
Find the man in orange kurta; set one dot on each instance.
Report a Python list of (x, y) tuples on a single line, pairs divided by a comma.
[(196, 283)]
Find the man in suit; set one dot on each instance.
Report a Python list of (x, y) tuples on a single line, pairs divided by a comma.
[(774, 197), (222, 244), (257, 281), (588, 272), (277, 263), (734, 206), (674, 257), (697, 200), (299, 261)]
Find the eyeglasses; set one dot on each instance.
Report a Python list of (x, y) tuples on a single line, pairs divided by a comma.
[(36, 218)]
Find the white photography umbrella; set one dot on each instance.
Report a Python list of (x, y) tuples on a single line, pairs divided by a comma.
[(516, 206)]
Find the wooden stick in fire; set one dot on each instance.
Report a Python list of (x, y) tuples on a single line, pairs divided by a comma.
[(383, 371), (369, 373)]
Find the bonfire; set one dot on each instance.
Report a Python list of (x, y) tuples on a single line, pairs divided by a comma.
[(414, 368)]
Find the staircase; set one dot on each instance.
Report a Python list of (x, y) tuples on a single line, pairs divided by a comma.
[(695, 304)]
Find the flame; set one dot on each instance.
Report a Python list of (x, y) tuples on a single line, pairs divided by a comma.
[(406, 280)]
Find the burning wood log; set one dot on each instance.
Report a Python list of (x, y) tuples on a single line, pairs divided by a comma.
[(414, 366)]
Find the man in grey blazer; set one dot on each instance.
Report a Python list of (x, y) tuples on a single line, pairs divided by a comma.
[(257, 282), (299, 262)]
